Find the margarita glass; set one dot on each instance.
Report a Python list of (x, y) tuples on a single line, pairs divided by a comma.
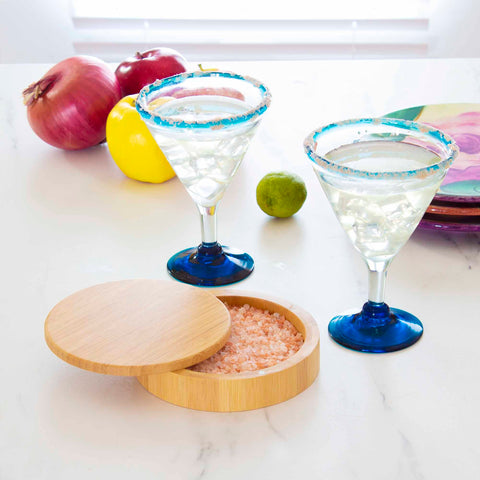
[(204, 122), (379, 176)]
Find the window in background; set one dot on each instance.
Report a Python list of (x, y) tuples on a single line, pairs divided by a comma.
[(215, 30)]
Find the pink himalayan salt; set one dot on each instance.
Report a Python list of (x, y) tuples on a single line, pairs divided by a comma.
[(258, 339)]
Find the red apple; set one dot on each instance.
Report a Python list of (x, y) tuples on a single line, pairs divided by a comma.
[(144, 68)]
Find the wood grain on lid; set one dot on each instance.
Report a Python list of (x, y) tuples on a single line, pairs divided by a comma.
[(137, 327)]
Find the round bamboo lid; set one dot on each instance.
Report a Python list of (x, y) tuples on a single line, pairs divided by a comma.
[(137, 327)]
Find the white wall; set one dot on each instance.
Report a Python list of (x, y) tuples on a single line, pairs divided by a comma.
[(455, 28), (35, 31), (42, 31)]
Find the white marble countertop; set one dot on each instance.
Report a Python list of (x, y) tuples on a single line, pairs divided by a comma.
[(71, 219)]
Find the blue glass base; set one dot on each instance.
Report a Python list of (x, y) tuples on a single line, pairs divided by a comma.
[(210, 265), (376, 329)]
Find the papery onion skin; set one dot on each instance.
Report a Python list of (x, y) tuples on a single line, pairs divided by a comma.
[(68, 107)]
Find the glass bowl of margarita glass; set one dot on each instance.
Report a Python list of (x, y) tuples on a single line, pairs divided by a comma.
[(379, 176), (203, 122)]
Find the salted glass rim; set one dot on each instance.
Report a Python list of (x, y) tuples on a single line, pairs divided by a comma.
[(257, 110), (414, 128)]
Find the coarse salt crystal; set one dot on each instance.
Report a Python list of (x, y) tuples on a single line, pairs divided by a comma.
[(258, 339)]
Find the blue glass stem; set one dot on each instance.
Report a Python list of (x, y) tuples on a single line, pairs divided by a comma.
[(210, 264), (377, 328), (375, 313), (209, 252)]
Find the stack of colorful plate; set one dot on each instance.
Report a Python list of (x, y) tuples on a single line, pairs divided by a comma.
[(452, 216), (456, 206)]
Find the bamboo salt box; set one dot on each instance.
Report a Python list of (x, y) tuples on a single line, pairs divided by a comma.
[(155, 330)]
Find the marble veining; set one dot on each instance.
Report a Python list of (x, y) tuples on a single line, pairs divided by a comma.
[(272, 427), (467, 246), (409, 463), (205, 454)]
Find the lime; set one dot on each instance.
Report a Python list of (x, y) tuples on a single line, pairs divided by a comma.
[(281, 194)]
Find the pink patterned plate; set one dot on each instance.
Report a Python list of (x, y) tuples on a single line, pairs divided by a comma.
[(462, 122)]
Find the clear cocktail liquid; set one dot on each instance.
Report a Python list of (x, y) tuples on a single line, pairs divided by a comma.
[(379, 215), (204, 159)]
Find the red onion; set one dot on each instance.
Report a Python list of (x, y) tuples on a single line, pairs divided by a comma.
[(68, 107)]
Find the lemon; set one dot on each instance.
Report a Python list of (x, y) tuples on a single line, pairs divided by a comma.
[(133, 147), (281, 194)]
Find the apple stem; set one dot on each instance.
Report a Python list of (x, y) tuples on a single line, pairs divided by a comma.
[(139, 55), (200, 66), (34, 91)]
